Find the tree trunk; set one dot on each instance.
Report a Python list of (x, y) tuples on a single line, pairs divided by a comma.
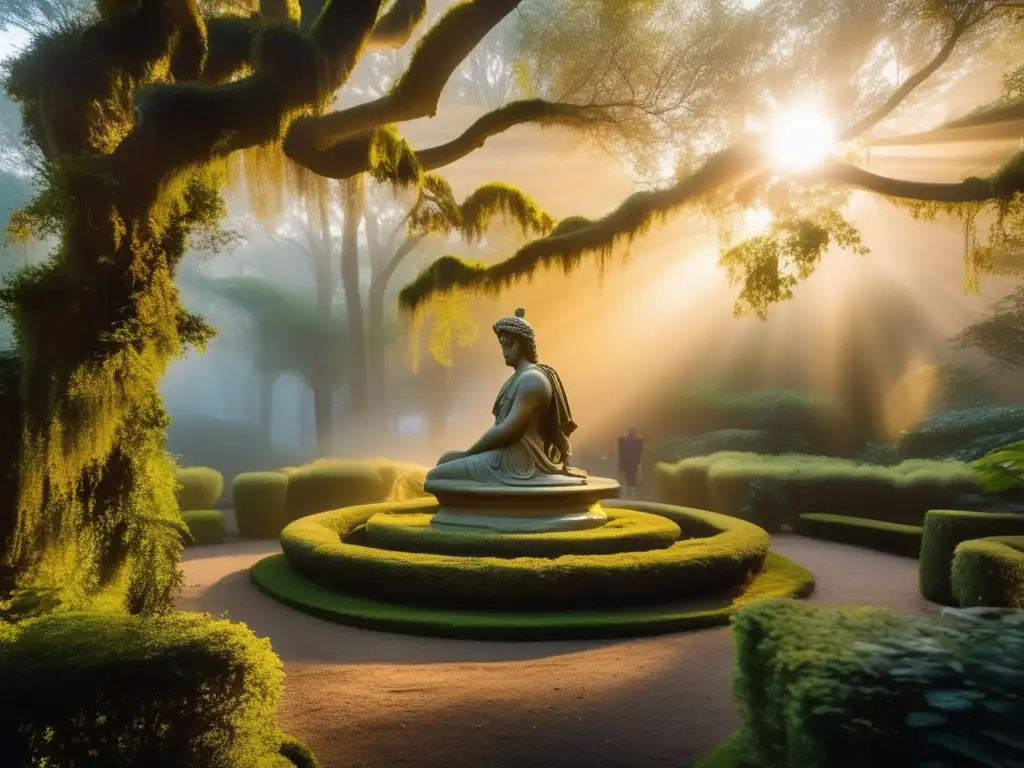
[(267, 380), (322, 383), (352, 204)]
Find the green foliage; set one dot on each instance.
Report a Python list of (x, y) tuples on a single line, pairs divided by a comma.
[(259, 503), (772, 491), (955, 432), (944, 530), (989, 572), (182, 690), (332, 549), (199, 488), (761, 441), (625, 531), (205, 526), (440, 214), (833, 687), (1002, 469), (1000, 333), (771, 265), (329, 484), (904, 540)]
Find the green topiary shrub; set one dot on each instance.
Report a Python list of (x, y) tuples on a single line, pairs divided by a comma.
[(199, 488), (329, 484), (332, 549), (832, 687), (182, 690), (259, 499), (904, 540), (205, 526), (989, 572), (944, 530), (772, 491)]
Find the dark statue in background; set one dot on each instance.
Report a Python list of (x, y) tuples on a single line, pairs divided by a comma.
[(631, 454)]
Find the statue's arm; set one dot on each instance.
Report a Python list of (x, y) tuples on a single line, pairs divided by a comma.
[(533, 393)]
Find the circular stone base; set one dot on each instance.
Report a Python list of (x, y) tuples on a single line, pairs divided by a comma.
[(624, 531), (521, 509), (781, 577)]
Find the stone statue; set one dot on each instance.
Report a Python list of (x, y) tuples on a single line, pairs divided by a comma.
[(529, 442)]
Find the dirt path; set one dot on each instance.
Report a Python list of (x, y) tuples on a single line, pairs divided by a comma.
[(365, 699)]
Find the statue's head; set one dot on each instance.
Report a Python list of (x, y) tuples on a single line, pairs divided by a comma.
[(517, 338)]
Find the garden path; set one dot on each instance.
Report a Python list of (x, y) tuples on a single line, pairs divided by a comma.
[(363, 699)]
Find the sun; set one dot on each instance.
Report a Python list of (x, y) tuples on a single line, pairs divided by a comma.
[(800, 138)]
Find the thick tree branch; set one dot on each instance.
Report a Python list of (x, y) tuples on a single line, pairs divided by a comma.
[(418, 91), (911, 83), (352, 156), (998, 123), (573, 238), (1002, 185)]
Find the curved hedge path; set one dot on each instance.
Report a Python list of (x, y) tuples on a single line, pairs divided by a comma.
[(363, 699)]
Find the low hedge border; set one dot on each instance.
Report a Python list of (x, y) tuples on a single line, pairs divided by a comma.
[(183, 690), (894, 538), (205, 526), (989, 572), (625, 531), (332, 549), (944, 530), (780, 577)]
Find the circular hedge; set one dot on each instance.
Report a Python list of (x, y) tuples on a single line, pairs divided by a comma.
[(780, 577), (333, 549), (625, 531)]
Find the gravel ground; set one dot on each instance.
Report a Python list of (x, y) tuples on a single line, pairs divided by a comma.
[(366, 699)]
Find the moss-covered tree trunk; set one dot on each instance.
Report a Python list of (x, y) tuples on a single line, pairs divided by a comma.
[(97, 325)]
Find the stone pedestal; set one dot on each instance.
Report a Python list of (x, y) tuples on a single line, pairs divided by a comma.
[(521, 509)]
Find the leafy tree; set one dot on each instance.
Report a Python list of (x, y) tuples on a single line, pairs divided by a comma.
[(835, 48), (1000, 334)]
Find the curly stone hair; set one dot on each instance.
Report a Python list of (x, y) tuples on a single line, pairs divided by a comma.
[(522, 330)]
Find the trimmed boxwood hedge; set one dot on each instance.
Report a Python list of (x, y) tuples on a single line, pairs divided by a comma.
[(944, 530), (183, 690), (842, 687), (259, 499), (904, 540), (989, 572), (205, 526), (772, 491), (198, 488), (332, 549), (625, 531)]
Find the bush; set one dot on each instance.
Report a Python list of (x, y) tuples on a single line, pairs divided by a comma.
[(989, 572), (260, 504), (944, 530), (178, 691), (831, 687), (772, 491), (199, 488), (332, 484), (332, 549), (205, 526), (781, 411), (904, 540), (944, 434), (737, 440)]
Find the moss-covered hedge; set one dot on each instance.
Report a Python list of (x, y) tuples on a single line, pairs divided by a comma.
[(772, 491), (832, 687), (205, 526), (178, 691), (259, 499), (332, 549), (199, 488), (944, 530), (625, 531), (989, 572), (332, 484), (897, 539)]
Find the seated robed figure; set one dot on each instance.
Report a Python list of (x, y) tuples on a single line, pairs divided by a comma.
[(529, 442)]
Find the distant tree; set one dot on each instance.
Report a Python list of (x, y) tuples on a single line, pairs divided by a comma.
[(1000, 333)]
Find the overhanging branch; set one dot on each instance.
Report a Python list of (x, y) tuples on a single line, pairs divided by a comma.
[(1000, 186), (352, 156)]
